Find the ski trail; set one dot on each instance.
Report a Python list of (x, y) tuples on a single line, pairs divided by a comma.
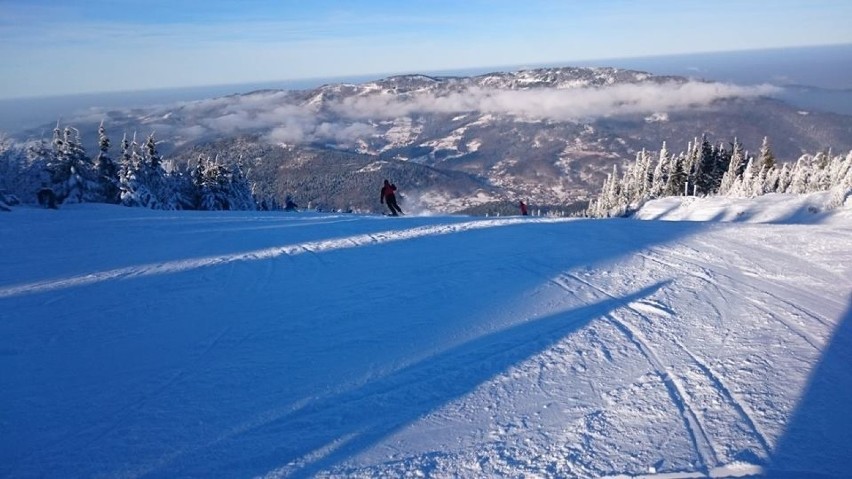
[(726, 392), (804, 335), (738, 404), (701, 442), (315, 247), (758, 277)]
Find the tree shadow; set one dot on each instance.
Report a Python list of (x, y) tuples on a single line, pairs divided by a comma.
[(364, 416), (245, 378), (818, 439)]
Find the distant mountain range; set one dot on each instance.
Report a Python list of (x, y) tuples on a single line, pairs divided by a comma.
[(476, 144)]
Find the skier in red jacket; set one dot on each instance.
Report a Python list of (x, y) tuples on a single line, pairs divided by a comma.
[(523, 208), (389, 196)]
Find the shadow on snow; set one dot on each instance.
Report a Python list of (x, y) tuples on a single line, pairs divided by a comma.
[(374, 411), (818, 439)]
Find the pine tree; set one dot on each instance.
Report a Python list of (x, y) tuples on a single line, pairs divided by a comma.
[(107, 170), (133, 180), (785, 178), (736, 166), (71, 170), (240, 190), (676, 182), (661, 172), (765, 158), (800, 175)]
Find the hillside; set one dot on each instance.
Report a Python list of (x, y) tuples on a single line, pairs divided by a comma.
[(548, 136), (210, 344)]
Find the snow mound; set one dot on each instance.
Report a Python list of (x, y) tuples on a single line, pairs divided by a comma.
[(822, 207)]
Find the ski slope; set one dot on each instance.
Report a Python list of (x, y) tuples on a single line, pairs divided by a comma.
[(138, 343)]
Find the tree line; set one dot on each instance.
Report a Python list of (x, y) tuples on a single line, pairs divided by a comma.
[(138, 177), (705, 169)]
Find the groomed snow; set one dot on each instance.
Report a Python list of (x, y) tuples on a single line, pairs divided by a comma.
[(138, 343)]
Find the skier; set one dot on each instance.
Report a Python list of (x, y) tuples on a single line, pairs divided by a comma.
[(523, 208), (389, 195)]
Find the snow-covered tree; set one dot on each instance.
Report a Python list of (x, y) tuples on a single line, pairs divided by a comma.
[(71, 170), (221, 188), (107, 170), (736, 166), (676, 182), (765, 157), (661, 173)]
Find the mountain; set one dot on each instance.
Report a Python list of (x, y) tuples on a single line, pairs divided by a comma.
[(548, 136), (141, 343)]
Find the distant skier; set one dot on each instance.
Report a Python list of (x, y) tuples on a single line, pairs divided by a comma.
[(389, 196), (523, 208)]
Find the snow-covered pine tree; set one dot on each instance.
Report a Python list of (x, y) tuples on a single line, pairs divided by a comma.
[(71, 170), (689, 165), (676, 181), (744, 185), (157, 180), (240, 189), (765, 157), (214, 192), (736, 166), (661, 173), (820, 179), (759, 183), (800, 175), (785, 178), (133, 180), (107, 170), (841, 170)]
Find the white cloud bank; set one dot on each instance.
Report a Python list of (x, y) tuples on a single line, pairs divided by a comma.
[(346, 120), (554, 104)]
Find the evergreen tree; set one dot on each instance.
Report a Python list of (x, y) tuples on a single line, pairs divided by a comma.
[(661, 172), (765, 158), (785, 178), (133, 181), (800, 175), (676, 182), (71, 170), (689, 166), (240, 190), (107, 170), (736, 166)]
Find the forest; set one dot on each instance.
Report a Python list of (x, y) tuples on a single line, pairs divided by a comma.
[(705, 169), (60, 171)]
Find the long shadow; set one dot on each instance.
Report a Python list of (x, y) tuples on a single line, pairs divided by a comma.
[(284, 350), (364, 416), (818, 439)]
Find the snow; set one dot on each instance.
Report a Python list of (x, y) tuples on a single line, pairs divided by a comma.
[(716, 343)]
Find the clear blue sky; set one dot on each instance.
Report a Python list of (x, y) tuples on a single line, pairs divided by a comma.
[(50, 47)]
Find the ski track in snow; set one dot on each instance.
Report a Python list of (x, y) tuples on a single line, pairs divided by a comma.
[(704, 448), (576, 405), (312, 247), (706, 276)]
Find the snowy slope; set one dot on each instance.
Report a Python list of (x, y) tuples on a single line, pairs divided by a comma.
[(136, 343)]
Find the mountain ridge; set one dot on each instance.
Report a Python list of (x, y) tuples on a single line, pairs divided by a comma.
[(547, 135)]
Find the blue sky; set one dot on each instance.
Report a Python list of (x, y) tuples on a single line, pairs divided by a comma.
[(50, 47)]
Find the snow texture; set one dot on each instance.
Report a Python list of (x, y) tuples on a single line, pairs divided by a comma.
[(139, 343)]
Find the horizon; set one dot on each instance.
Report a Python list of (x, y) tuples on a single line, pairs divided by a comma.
[(47, 45), (820, 69)]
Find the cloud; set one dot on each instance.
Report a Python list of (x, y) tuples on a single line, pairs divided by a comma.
[(286, 117), (553, 104)]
